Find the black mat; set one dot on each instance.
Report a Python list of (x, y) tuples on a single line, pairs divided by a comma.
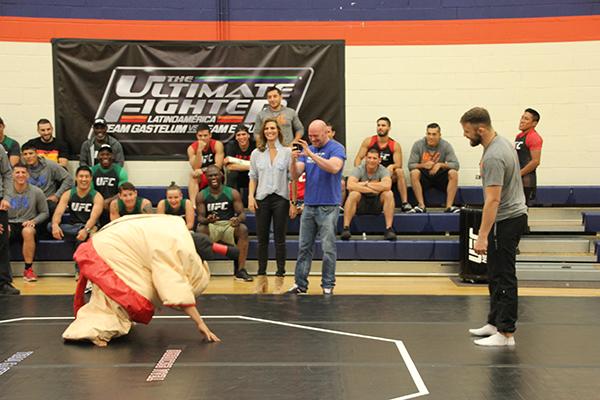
[(270, 351), (537, 284)]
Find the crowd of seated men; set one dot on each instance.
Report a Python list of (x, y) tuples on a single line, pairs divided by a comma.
[(41, 191)]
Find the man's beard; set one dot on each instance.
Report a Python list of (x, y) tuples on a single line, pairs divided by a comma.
[(381, 134), (475, 142)]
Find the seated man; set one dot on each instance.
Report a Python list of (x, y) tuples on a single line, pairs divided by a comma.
[(432, 163), (130, 278), (391, 157), (85, 207), (369, 192), (203, 152), (47, 175), (88, 155), (221, 216), (108, 176), (128, 203), (237, 161), (175, 204), (10, 145), (48, 146), (28, 209)]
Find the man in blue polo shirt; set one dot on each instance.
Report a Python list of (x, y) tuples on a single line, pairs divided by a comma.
[(323, 162)]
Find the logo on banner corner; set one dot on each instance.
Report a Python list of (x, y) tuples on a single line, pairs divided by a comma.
[(170, 103)]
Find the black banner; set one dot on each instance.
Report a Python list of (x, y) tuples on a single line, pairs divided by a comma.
[(154, 94)]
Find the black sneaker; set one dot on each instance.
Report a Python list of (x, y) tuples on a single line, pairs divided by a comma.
[(389, 234), (7, 289), (296, 290), (452, 210), (346, 235), (242, 275), (406, 207), (417, 210)]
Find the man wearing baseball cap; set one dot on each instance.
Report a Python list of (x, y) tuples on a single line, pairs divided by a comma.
[(89, 149), (107, 177)]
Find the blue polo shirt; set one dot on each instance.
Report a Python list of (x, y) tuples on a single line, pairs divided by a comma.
[(323, 188)]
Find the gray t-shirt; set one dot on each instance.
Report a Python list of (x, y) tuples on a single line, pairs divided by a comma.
[(289, 127), (29, 205), (443, 152), (361, 174), (500, 167)]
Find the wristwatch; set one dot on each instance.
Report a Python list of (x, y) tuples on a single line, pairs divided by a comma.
[(293, 202)]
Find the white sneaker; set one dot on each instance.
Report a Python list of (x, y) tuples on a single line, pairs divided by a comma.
[(486, 330), (496, 339)]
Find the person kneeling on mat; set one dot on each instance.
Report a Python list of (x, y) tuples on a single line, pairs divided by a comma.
[(135, 264)]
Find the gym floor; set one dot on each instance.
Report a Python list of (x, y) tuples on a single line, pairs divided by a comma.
[(309, 347)]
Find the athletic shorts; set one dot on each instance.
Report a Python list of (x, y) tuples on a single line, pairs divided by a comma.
[(222, 231), (369, 204), (438, 181)]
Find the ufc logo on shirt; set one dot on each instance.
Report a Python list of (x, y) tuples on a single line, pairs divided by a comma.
[(105, 181), (217, 206), (81, 207), (518, 145)]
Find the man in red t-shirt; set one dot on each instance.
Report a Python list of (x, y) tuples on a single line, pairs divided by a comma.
[(203, 152), (528, 144)]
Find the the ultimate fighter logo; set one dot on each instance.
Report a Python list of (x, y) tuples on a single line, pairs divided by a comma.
[(169, 103)]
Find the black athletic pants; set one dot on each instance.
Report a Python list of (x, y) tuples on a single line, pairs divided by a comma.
[(502, 276), (5, 272), (277, 208)]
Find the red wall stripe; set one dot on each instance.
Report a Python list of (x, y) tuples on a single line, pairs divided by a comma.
[(371, 33)]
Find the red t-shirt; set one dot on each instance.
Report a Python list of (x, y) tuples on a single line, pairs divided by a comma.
[(208, 158), (533, 141)]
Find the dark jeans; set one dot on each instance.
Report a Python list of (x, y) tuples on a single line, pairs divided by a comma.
[(276, 208), (5, 271), (502, 276)]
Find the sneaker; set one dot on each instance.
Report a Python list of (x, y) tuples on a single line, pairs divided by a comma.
[(7, 289), (327, 291), (496, 339), (452, 210), (29, 275), (389, 234), (486, 330), (417, 210), (242, 275), (296, 290), (406, 207), (346, 235)]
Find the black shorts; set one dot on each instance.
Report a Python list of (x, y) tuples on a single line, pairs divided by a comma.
[(369, 204), (16, 232), (438, 181)]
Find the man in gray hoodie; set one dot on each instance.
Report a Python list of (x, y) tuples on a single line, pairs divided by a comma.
[(88, 154), (432, 163), (47, 175), (28, 209)]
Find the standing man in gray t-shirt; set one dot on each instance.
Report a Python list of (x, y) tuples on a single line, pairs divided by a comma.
[(286, 117), (504, 220)]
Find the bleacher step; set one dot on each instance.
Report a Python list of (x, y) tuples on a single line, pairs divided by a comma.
[(572, 244)]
